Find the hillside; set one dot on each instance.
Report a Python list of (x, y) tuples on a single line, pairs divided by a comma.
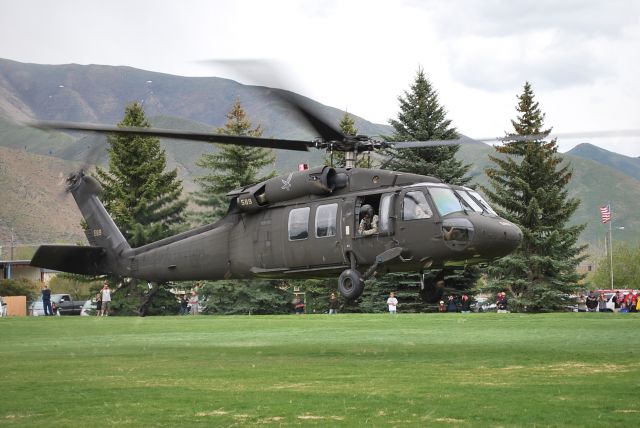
[(33, 200), (624, 164)]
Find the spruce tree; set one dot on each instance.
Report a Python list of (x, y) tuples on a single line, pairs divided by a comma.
[(143, 199), (422, 118), (144, 202), (230, 168), (529, 185)]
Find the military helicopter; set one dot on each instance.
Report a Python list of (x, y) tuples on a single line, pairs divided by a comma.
[(322, 222)]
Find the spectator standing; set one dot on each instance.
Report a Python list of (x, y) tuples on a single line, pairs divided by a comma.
[(582, 303), (592, 302), (452, 305), (193, 301), (106, 299), (46, 300), (184, 305), (333, 304), (99, 304), (501, 303), (442, 307), (465, 304), (392, 302), (630, 301), (602, 303), (618, 300)]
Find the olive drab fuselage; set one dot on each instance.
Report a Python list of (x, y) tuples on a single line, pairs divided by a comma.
[(304, 224)]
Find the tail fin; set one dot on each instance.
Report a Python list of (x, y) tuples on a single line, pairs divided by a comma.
[(108, 246), (101, 231)]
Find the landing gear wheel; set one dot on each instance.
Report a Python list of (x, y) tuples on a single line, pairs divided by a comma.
[(350, 284)]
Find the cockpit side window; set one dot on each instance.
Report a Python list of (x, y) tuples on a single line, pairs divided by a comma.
[(415, 206), (445, 200)]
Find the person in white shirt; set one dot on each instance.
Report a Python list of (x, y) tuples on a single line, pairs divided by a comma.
[(106, 299), (393, 303)]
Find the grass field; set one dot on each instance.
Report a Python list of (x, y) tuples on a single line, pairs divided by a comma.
[(569, 369)]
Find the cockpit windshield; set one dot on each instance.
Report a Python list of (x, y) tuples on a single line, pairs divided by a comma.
[(482, 202), (445, 200)]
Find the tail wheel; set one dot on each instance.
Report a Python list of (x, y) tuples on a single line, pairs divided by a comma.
[(350, 284)]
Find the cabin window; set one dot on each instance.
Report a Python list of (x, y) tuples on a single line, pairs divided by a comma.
[(445, 200), (415, 206), (299, 223), (326, 220)]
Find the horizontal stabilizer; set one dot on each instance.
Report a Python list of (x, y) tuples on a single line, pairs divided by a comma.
[(71, 258)]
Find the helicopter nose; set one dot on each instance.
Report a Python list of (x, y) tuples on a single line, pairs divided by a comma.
[(497, 237)]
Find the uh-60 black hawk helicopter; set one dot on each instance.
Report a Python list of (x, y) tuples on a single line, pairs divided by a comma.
[(305, 224)]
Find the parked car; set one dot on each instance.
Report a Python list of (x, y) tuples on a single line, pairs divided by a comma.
[(65, 305), (482, 304), (89, 308)]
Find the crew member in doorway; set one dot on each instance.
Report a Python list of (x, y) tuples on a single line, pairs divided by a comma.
[(369, 222)]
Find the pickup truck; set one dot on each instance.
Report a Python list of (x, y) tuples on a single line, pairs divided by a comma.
[(63, 304)]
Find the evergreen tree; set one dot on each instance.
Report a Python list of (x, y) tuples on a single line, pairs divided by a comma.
[(230, 168), (245, 297), (529, 184), (337, 159), (144, 201), (422, 118)]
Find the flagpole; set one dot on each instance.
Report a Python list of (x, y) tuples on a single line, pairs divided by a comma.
[(611, 246)]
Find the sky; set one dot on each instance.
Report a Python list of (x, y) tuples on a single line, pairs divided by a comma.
[(581, 57)]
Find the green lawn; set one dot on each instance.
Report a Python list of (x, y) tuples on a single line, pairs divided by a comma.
[(345, 370)]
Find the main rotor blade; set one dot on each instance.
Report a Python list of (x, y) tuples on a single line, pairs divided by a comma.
[(620, 133), (428, 143), (257, 70), (275, 143)]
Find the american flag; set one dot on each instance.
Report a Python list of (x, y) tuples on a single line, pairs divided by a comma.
[(605, 213)]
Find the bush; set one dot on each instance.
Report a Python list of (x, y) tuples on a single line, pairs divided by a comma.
[(20, 287)]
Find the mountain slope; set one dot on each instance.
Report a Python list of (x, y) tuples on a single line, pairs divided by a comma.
[(625, 164), (33, 202)]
